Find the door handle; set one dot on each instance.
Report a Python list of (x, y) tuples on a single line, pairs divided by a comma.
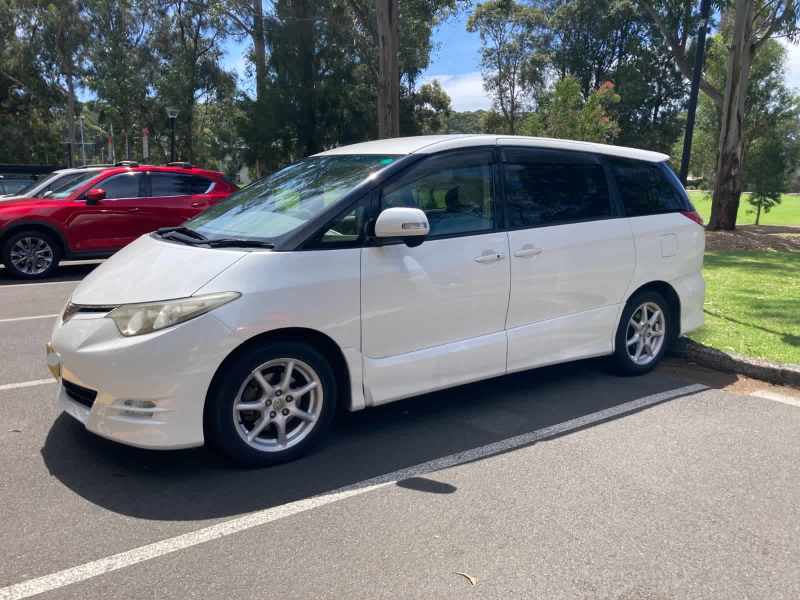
[(490, 256), (527, 251), (198, 204)]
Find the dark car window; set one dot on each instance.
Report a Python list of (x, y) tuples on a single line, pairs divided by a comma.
[(454, 190), (645, 188), (545, 191), (125, 185), (15, 186), (73, 184), (175, 184)]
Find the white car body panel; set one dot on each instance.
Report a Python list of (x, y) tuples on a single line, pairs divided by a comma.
[(567, 283), (149, 270), (428, 144), (407, 320), (433, 303), (172, 368)]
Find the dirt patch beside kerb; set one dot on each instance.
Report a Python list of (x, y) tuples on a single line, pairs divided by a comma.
[(768, 238)]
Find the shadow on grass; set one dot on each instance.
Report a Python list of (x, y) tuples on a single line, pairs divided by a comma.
[(788, 338)]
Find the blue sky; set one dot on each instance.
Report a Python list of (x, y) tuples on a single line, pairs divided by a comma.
[(455, 62)]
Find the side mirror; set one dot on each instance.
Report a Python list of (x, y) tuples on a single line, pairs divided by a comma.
[(408, 224), (95, 196)]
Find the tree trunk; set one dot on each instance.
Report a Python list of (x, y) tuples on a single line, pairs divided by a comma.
[(70, 113), (308, 135), (259, 46), (758, 212), (728, 178), (388, 69)]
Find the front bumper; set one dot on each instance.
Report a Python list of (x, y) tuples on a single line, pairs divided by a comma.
[(150, 389)]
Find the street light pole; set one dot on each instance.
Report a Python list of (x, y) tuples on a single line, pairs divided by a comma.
[(172, 113), (699, 58), (83, 147)]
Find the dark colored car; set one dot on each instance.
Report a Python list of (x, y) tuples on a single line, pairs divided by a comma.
[(10, 184), (100, 211)]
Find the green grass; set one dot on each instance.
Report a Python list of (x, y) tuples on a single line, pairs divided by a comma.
[(752, 304), (786, 213)]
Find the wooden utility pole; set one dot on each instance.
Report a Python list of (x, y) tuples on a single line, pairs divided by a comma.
[(388, 69)]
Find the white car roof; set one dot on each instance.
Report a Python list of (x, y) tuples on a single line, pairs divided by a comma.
[(428, 144)]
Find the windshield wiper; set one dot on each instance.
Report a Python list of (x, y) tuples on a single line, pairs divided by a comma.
[(195, 238), (237, 243), (182, 231)]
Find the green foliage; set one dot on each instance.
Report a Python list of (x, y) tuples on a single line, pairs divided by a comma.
[(510, 34), (465, 122), (772, 126), (564, 113), (767, 171), (596, 41), (431, 109)]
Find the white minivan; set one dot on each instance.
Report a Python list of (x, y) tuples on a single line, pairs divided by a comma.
[(375, 272)]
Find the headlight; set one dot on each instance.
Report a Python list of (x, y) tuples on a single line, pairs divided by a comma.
[(137, 319)]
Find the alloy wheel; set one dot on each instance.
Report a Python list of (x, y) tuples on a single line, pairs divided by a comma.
[(278, 405), (32, 255), (645, 333)]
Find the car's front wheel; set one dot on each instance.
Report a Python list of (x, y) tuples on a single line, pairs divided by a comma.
[(642, 334), (31, 254), (271, 404)]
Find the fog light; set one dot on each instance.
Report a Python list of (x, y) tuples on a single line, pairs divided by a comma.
[(139, 408), (53, 362)]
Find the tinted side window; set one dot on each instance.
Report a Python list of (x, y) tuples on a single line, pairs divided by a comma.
[(645, 189), (541, 192), (199, 185), (454, 190), (171, 184), (125, 185)]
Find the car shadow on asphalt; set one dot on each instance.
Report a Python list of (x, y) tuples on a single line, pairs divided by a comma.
[(197, 484), (74, 272)]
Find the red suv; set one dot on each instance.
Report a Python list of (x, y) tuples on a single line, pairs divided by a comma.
[(98, 211)]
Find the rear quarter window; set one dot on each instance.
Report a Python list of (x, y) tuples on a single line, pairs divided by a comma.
[(647, 188), (177, 184)]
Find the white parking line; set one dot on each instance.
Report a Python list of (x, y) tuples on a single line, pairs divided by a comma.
[(99, 567), (24, 384), (13, 286), (33, 318)]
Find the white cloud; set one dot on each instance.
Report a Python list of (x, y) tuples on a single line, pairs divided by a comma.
[(465, 90), (792, 64)]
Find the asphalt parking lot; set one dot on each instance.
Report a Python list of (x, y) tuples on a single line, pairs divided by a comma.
[(564, 482)]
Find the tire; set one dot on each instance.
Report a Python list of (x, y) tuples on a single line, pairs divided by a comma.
[(652, 347), (45, 254), (227, 425)]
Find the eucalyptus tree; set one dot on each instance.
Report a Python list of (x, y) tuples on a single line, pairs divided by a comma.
[(122, 66), (750, 24), (511, 59), (187, 41)]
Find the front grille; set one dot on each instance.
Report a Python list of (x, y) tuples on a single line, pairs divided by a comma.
[(79, 394)]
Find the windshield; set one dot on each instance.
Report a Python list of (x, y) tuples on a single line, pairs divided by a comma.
[(33, 184), (282, 202), (62, 188)]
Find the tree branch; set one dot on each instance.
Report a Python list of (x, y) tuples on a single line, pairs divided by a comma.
[(679, 55)]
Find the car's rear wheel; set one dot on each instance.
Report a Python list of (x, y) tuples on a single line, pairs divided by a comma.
[(642, 334), (272, 404), (31, 254)]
